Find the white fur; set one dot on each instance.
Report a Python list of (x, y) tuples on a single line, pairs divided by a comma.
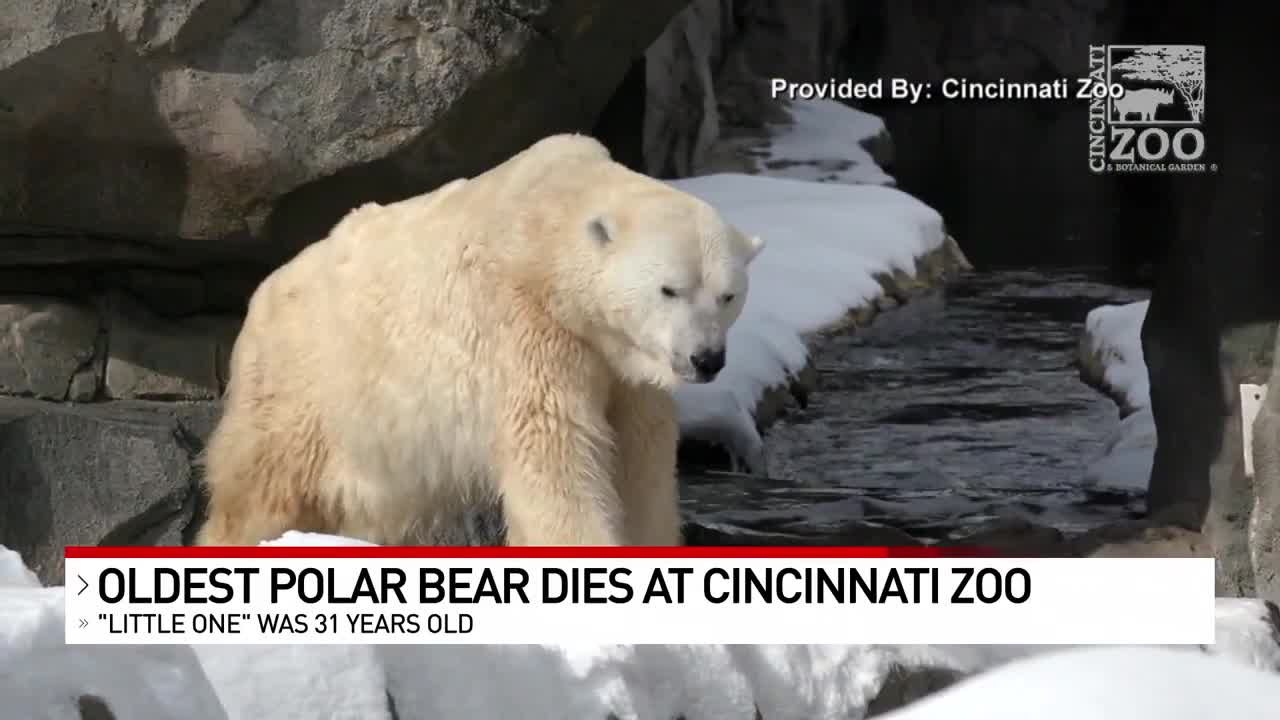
[(506, 334)]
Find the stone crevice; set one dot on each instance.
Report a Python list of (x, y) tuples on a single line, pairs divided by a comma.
[(553, 44)]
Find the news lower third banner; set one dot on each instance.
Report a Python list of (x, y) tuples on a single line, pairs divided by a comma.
[(395, 595)]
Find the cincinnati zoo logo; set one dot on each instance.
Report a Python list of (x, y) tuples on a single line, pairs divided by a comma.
[(1146, 109)]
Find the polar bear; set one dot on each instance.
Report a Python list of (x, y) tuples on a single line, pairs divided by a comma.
[(512, 336)]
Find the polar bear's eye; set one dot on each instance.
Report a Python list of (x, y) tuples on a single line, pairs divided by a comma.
[(667, 291), (727, 298)]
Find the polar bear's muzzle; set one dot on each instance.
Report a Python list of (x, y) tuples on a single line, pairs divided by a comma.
[(707, 364)]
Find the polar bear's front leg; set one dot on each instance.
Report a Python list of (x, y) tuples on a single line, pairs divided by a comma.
[(555, 475), (644, 420)]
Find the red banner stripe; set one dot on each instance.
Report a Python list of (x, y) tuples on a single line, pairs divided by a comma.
[(500, 552)]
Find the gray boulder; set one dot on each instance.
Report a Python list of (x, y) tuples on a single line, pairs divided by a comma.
[(45, 344), (1264, 527), (248, 127), (114, 474)]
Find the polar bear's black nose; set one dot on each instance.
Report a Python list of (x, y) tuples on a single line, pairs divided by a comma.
[(708, 363)]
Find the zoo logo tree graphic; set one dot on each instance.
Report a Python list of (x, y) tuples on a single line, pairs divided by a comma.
[(1155, 110), (1178, 66)]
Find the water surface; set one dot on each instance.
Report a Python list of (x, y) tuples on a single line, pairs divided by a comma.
[(958, 408)]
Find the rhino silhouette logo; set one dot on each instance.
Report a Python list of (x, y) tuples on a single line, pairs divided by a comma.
[(1145, 102), (1160, 81)]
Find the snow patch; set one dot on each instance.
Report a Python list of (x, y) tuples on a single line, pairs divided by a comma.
[(1134, 683), (336, 682), (42, 677), (14, 572), (1113, 336), (824, 142), (1248, 631)]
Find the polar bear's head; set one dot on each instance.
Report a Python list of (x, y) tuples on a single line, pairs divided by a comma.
[(670, 280)]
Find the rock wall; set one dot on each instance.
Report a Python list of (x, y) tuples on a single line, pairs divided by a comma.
[(248, 127), (1212, 320), (707, 101), (121, 473), (1264, 521), (110, 348)]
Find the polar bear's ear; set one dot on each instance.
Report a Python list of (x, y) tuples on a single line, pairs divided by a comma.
[(601, 230), (755, 244)]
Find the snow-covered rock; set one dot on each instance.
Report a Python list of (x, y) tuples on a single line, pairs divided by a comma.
[(1124, 683), (30, 620), (1111, 360), (1111, 354), (1248, 631), (159, 682), (824, 141), (335, 682), (14, 572)]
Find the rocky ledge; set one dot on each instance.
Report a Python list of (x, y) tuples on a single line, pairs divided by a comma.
[(111, 473), (111, 347)]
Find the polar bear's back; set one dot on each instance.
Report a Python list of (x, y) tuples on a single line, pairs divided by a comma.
[(399, 328), (413, 281), (377, 332)]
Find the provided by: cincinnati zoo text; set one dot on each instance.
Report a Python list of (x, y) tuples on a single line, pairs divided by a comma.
[(948, 89)]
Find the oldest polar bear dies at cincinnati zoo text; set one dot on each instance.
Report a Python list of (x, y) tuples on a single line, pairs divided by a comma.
[(516, 335)]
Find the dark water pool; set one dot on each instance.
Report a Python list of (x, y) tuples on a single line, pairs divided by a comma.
[(958, 408)]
